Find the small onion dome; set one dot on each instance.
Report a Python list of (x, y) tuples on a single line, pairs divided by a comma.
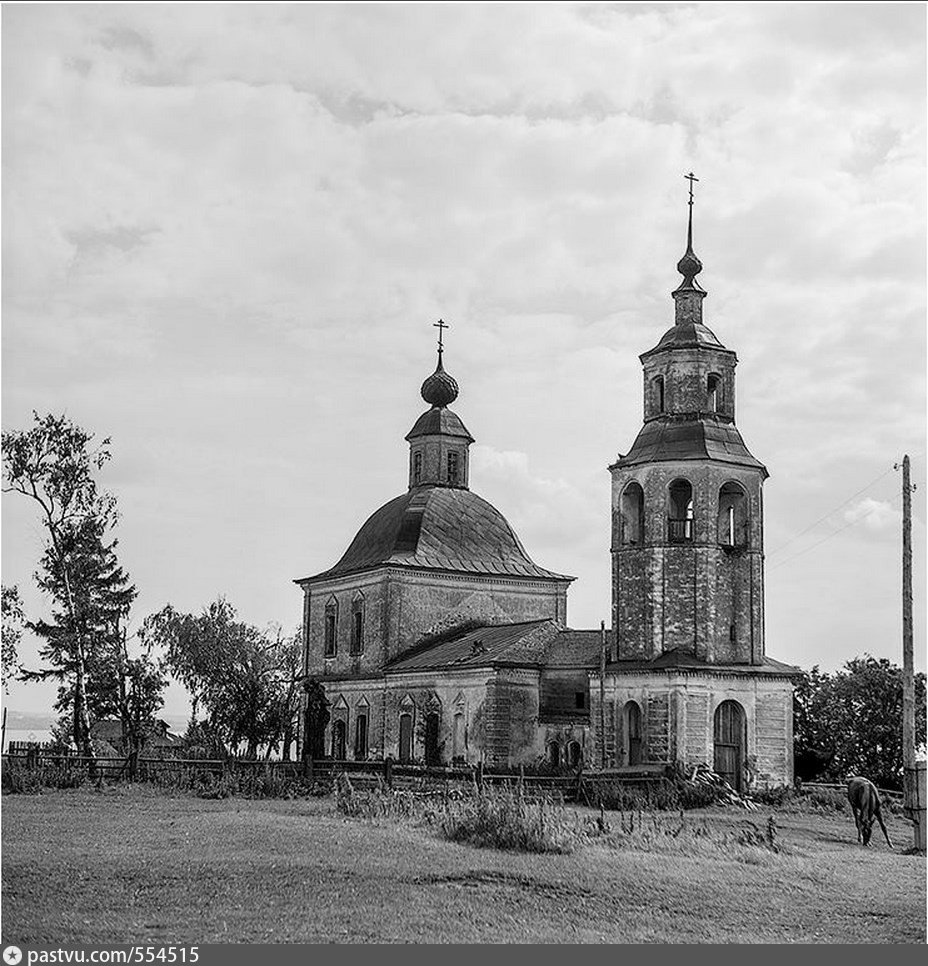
[(439, 389), (689, 266)]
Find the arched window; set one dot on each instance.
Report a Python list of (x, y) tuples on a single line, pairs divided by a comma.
[(406, 736), (657, 394), (681, 517), (331, 628), (733, 516), (432, 746), (417, 468), (339, 736), (453, 473), (554, 754), (631, 731), (714, 392), (458, 737), (360, 735), (633, 514), (574, 754), (357, 624)]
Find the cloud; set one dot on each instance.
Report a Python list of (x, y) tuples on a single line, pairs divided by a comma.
[(229, 227), (877, 516)]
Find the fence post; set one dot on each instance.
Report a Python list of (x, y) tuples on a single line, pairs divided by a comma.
[(479, 776), (388, 771)]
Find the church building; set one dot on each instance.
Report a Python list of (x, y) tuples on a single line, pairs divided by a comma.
[(438, 639)]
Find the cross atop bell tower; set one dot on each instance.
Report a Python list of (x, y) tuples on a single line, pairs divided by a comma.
[(441, 325), (689, 295)]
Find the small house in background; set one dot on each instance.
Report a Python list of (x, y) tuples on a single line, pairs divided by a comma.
[(159, 743)]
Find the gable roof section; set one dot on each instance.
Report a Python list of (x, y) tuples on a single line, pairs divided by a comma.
[(497, 644)]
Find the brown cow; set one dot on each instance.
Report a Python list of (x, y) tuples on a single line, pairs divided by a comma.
[(865, 804)]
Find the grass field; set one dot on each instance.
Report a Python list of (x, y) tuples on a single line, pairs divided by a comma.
[(134, 865)]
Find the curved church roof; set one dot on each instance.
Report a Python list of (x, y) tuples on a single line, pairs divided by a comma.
[(690, 438), (439, 528), (687, 335)]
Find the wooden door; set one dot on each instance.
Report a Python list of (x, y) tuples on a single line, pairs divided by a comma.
[(730, 739)]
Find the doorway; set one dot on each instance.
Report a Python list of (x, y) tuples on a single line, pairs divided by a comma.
[(730, 741)]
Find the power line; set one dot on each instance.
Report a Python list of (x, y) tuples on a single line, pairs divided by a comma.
[(812, 526), (835, 533)]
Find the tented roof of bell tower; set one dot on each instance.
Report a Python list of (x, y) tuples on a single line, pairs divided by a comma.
[(687, 335)]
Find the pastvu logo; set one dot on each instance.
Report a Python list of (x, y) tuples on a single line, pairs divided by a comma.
[(12, 955)]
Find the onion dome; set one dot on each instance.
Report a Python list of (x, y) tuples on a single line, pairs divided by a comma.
[(439, 389), (689, 267)]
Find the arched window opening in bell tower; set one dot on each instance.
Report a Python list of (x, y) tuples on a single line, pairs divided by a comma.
[(733, 516), (417, 468), (453, 475), (681, 517), (657, 394), (632, 516), (714, 391)]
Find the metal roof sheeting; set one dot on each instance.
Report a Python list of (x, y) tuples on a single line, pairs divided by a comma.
[(689, 438), (439, 528)]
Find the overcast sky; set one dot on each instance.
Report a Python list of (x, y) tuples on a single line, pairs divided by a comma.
[(228, 229)]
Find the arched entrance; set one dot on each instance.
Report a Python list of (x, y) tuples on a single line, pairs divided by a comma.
[(730, 742), (631, 727), (339, 739), (574, 754)]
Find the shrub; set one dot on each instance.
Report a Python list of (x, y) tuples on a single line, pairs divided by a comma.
[(22, 779), (670, 794), (777, 796), (823, 799), (486, 817), (502, 819)]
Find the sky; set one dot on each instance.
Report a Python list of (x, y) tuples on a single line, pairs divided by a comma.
[(229, 228)]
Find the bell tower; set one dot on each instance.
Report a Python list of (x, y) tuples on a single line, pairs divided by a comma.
[(687, 509)]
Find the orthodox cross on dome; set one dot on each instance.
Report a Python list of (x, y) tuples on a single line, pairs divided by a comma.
[(689, 234), (441, 325), (689, 266)]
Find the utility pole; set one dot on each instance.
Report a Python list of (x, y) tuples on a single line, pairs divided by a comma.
[(602, 690), (910, 780)]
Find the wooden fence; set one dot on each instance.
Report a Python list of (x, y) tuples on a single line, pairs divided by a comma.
[(825, 786), (573, 786)]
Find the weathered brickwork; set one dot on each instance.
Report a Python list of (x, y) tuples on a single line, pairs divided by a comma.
[(400, 607), (685, 373), (703, 597), (678, 713), (416, 695), (697, 740)]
